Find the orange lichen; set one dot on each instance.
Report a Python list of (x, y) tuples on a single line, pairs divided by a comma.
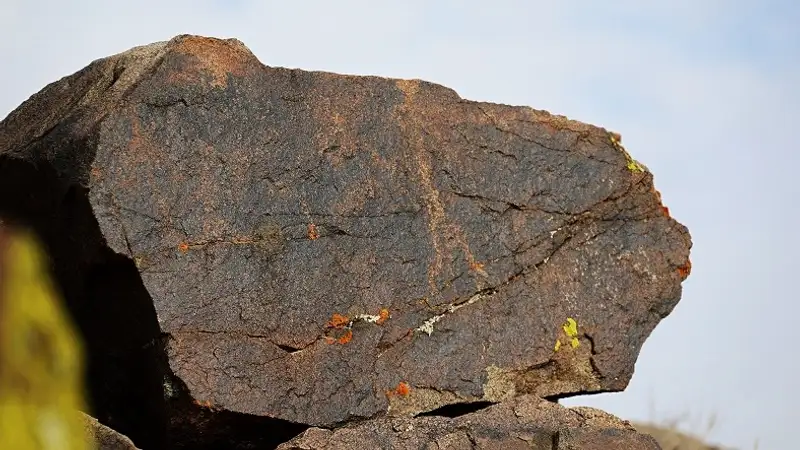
[(341, 331), (338, 321), (685, 269), (313, 234), (477, 267), (383, 316), (183, 247), (346, 337), (665, 210), (204, 404), (402, 389)]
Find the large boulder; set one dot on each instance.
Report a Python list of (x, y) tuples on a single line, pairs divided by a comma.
[(317, 248)]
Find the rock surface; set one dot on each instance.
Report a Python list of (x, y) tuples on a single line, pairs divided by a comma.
[(318, 248), (100, 437), (523, 423)]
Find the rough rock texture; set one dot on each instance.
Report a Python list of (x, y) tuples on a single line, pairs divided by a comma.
[(318, 248), (100, 437), (525, 423)]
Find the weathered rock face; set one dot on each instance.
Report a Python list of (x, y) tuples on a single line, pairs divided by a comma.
[(318, 248), (524, 423)]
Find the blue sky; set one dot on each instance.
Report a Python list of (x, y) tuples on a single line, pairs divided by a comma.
[(704, 92)]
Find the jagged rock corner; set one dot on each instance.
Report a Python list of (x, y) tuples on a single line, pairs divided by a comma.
[(101, 437), (257, 254)]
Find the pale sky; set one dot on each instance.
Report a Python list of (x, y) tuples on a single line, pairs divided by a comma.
[(705, 93)]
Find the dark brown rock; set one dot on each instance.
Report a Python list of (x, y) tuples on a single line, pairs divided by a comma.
[(523, 423), (318, 248)]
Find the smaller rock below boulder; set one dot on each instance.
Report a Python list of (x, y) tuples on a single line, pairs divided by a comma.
[(523, 423), (101, 437)]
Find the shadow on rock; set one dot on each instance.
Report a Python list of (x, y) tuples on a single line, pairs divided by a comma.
[(127, 369)]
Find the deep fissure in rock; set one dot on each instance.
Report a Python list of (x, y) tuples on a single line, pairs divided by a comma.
[(206, 429), (557, 398), (289, 348), (457, 409)]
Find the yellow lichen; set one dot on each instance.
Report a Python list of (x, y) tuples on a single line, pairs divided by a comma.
[(632, 164), (570, 328)]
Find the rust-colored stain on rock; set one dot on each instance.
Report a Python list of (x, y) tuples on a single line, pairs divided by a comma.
[(313, 233), (216, 58), (685, 269)]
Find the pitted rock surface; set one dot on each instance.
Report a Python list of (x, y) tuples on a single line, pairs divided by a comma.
[(524, 423), (321, 247)]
